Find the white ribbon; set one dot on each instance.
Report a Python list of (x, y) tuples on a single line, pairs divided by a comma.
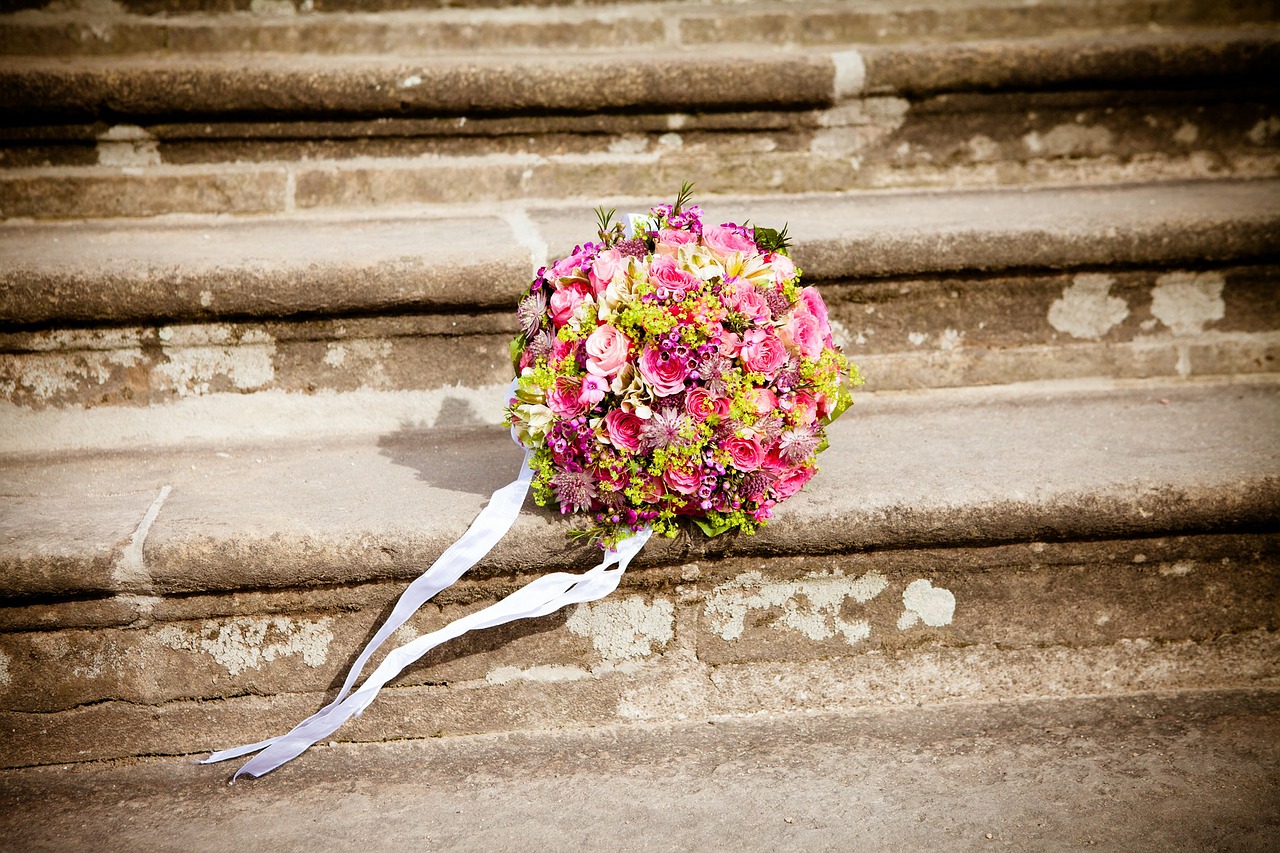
[(544, 595)]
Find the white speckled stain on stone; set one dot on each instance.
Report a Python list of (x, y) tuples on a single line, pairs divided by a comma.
[(199, 355), (923, 602), (1187, 301), (1262, 132), (5, 678), (366, 358), (63, 361), (247, 642), (1187, 134), (1087, 309), (810, 605), (1070, 140), (950, 339), (1178, 569), (625, 628), (917, 338)]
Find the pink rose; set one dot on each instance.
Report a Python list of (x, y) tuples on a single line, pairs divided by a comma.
[(725, 241), (746, 453), (607, 351), (683, 480), (562, 350), (802, 334), (671, 239), (699, 403), (565, 398), (606, 265), (623, 429), (730, 344), (567, 267), (813, 304), (763, 352), (791, 482), (664, 372), (671, 281), (783, 269), (773, 462), (746, 300), (563, 303), (766, 401), (804, 408)]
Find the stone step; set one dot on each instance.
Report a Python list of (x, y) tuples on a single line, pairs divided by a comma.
[(1043, 541), (110, 137), (1038, 774), (120, 30), (166, 333)]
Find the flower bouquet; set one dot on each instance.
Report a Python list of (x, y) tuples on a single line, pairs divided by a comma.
[(674, 369)]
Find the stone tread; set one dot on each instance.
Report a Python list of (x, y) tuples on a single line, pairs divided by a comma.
[(478, 258), (1141, 772), (956, 468), (713, 77)]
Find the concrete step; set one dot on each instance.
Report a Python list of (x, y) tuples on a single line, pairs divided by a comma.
[(1140, 772), (244, 135), (164, 333), (119, 30), (1010, 543)]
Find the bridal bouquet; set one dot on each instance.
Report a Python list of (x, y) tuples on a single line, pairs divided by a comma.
[(674, 369)]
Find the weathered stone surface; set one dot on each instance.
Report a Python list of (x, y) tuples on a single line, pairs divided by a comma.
[(1138, 772), (978, 466), (109, 272), (872, 235), (623, 26), (1128, 61), (670, 688), (721, 612), (66, 194), (309, 86)]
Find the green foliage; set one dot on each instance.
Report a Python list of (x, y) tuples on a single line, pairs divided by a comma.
[(685, 196), (770, 240)]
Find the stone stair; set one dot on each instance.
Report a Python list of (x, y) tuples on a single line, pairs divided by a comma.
[(256, 285)]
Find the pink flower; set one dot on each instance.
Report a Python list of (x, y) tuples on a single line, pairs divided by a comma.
[(791, 482), (740, 296), (671, 239), (683, 480), (730, 344), (606, 265), (724, 241), (565, 398), (783, 268), (563, 303), (593, 390), (804, 408), (701, 405), (607, 351), (763, 352), (664, 372), (623, 429), (566, 267), (746, 453), (766, 401), (671, 281), (812, 302), (802, 334), (562, 350)]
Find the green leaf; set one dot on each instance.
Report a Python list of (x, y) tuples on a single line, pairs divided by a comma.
[(712, 529), (770, 240), (685, 196), (843, 402), (517, 349)]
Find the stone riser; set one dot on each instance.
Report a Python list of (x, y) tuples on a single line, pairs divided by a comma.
[(904, 333), (608, 28), (716, 637), (946, 141)]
